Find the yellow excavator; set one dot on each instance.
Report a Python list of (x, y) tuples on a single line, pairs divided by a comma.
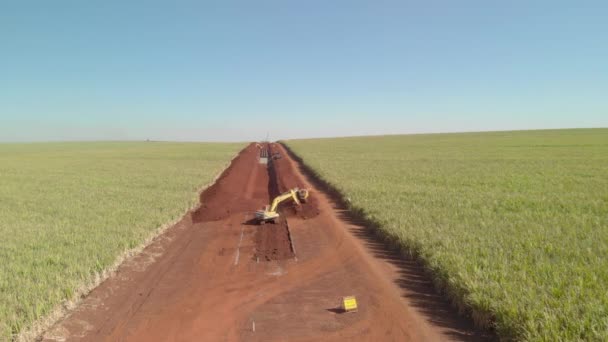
[(270, 213)]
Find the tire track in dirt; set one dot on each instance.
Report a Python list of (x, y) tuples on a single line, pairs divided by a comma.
[(195, 291)]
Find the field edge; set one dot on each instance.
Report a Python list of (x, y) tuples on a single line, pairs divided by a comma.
[(456, 294), (40, 326)]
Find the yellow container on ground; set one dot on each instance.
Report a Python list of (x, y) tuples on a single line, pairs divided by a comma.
[(349, 304)]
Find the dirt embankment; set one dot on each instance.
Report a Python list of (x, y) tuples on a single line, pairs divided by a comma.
[(227, 194)]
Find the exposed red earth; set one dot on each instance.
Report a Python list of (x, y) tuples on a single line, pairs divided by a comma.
[(217, 276)]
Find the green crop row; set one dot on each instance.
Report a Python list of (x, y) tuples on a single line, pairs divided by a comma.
[(512, 226), (68, 210)]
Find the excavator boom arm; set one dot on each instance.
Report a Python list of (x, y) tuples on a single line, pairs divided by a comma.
[(283, 197), (269, 213)]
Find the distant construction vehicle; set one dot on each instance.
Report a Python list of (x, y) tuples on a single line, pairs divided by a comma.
[(270, 213)]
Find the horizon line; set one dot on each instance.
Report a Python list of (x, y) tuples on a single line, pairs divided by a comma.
[(307, 138)]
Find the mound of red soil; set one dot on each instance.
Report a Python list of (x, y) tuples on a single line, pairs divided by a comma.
[(226, 196)]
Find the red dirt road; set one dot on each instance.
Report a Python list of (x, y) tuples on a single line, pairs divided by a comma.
[(215, 276)]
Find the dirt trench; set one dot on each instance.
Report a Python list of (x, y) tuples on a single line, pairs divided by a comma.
[(216, 276), (273, 241)]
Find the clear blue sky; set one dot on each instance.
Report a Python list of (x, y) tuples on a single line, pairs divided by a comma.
[(234, 70)]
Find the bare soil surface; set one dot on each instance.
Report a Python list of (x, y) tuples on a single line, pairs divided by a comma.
[(216, 276)]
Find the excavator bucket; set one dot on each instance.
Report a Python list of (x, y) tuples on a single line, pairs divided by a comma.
[(302, 195)]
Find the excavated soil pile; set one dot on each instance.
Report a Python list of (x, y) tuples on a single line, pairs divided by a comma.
[(225, 197)]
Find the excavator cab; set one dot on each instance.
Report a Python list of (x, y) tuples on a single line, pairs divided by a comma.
[(270, 212)]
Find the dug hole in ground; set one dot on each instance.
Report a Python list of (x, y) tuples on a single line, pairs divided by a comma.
[(218, 276)]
